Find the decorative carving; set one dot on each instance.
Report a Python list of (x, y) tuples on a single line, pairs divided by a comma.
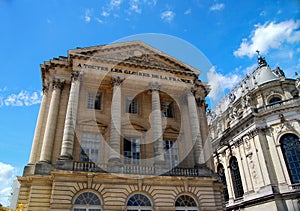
[(283, 127), (58, 84), (247, 143), (75, 75), (45, 89), (134, 56), (116, 80), (200, 102), (154, 86), (231, 97), (246, 101), (297, 82), (279, 72), (252, 167)]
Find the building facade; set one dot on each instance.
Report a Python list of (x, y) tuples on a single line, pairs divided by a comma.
[(255, 134), (120, 127)]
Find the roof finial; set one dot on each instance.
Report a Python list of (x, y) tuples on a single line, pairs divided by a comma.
[(261, 60)]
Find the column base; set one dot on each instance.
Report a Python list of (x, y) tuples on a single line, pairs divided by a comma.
[(115, 161), (159, 163), (65, 157)]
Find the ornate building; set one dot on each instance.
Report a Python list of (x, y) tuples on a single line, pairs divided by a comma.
[(121, 127), (255, 134)]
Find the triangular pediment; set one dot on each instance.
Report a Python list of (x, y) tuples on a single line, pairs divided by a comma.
[(134, 53)]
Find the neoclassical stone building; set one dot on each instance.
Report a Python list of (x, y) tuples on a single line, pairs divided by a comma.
[(255, 134), (121, 127)]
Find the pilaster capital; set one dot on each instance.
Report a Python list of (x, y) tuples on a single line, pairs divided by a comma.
[(154, 86), (116, 80), (58, 84)]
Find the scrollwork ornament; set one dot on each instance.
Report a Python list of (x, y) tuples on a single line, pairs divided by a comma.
[(58, 84), (116, 80), (75, 75), (154, 86)]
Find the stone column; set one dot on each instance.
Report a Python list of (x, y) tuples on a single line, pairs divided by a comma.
[(70, 121), (37, 134), (156, 122), (195, 129), (48, 140), (116, 116)]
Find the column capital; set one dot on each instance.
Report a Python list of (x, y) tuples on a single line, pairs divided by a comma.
[(45, 89), (189, 90), (58, 84), (75, 75), (154, 86), (116, 80)]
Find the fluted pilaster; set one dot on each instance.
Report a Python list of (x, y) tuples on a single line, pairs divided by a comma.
[(48, 140), (157, 124), (71, 116), (37, 134), (195, 128), (115, 126)]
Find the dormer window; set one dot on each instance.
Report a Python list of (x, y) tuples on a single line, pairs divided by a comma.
[(274, 100)]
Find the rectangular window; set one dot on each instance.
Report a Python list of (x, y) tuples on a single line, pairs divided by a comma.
[(171, 153), (131, 105), (90, 145), (167, 109), (132, 151), (94, 101)]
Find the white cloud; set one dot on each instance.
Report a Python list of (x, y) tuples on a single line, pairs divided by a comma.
[(249, 69), (188, 11), (115, 3), (105, 14), (151, 3), (87, 16), (99, 20), (23, 98), (167, 16), (217, 7), (7, 174), (219, 83), (134, 6), (268, 36)]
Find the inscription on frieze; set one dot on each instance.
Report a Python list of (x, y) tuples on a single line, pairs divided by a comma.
[(136, 73)]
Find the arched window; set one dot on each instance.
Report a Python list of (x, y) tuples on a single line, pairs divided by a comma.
[(221, 173), (236, 177), (87, 201), (139, 202), (274, 100), (290, 147), (186, 203)]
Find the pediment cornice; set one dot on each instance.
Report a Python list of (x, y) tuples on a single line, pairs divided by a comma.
[(136, 54)]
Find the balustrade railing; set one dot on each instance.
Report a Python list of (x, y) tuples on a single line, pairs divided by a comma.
[(139, 169), (293, 101)]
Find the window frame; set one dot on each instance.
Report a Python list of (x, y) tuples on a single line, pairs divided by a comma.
[(94, 100), (132, 105), (236, 178), (167, 109), (186, 207), (90, 147), (87, 207), (292, 163), (139, 207), (223, 180), (132, 157), (171, 152)]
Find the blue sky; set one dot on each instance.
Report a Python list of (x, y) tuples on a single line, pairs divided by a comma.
[(226, 32)]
